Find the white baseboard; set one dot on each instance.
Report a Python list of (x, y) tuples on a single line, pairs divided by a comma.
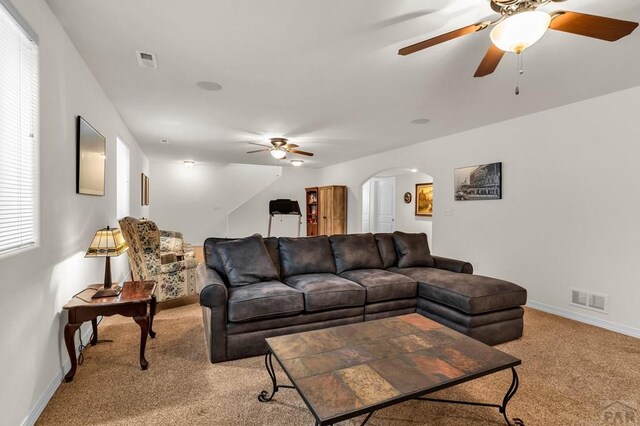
[(609, 325), (37, 409)]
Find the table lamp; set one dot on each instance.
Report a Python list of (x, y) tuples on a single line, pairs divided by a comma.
[(107, 243)]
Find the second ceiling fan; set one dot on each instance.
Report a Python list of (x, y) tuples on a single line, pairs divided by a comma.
[(520, 25), (279, 148)]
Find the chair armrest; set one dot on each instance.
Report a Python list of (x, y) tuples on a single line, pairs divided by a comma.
[(213, 292), (453, 265), (168, 258), (181, 265)]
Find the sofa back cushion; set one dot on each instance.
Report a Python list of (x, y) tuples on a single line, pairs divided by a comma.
[(387, 249), (413, 250), (355, 251), (310, 255), (246, 261), (212, 258)]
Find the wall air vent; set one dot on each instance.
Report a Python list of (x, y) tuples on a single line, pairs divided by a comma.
[(589, 300), (147, 59)]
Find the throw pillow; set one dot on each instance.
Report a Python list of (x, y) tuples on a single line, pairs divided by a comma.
[(356, 251), (246, 261), (307, 255), (387, 249), (413, 250)]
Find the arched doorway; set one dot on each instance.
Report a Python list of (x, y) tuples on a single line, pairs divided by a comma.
[(384, 205)]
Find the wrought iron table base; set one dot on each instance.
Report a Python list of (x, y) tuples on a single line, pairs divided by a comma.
[(265, 396)]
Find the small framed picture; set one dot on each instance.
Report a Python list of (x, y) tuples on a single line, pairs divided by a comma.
[(407, 197), (424, 199)]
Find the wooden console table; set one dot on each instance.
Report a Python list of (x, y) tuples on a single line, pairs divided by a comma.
[(131, 302)]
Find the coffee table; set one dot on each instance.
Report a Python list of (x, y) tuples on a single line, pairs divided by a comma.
[(351, 370)]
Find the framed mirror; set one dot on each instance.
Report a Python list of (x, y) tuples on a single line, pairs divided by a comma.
[(90, 159)]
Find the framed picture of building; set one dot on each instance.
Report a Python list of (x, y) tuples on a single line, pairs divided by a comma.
[(482, 182), (424, 199)]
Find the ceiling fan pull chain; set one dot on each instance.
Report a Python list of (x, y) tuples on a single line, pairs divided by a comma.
[(520, 71)]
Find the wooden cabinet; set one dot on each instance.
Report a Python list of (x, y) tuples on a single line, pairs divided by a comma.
[(326, 210)]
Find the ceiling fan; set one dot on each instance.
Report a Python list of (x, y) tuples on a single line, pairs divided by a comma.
[(279, 148), (520, 25)]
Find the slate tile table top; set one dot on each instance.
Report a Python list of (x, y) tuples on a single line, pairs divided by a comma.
[(346, 371)]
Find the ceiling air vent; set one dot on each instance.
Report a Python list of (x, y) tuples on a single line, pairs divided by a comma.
[(147, 59), (589, 300)]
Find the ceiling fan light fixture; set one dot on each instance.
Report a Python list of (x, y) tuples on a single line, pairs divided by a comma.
[(520, 31), (278, 154)]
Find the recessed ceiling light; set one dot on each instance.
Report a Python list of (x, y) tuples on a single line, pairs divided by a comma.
[(296, 163), (209, 85), (188, 163), (165, 141), (414, 170), (420, 121)]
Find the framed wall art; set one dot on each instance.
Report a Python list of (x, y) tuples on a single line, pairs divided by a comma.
[(144, 189), (424, 199), (91, 150), (483, 182)]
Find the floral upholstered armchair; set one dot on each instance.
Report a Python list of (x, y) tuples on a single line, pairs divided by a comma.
[(173, 247), (174, 278)]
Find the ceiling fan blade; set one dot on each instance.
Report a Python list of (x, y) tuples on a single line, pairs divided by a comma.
[(599, 27), (291, 145), (260, 144), (490, 61), (259, 150), (295, 151), (444, 37)]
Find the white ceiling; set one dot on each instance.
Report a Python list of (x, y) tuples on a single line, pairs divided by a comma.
[(326, 73)]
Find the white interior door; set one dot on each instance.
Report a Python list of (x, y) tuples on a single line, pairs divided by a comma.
[(366, 195), (384, 206)]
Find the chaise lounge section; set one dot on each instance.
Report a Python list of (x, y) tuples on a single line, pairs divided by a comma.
[(254, 288)]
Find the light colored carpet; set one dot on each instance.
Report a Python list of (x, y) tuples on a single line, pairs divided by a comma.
[(570, 373)]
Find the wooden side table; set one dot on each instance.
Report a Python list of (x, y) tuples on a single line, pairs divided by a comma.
[(131, 302)]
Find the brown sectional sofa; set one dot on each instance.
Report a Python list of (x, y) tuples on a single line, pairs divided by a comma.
[(255, 288)]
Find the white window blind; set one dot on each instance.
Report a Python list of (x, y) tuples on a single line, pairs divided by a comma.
[(18, 131)]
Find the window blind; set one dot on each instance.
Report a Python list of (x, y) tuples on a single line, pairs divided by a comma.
[(18, 133)]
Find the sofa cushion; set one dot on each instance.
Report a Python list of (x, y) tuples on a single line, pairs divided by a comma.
[(212, 258), (271, 243), (387, 249), (413, 250), (472, 294), (327, 291), (355, 251), (267, 299), (383, 285), (311, 255), (246, 261)]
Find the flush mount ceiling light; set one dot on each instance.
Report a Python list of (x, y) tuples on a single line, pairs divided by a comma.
[(296, 163), (278, 153), (188, 163), (420, 121), (519, 31), (209, 86)]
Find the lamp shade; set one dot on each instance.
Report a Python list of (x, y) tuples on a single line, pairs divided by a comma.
[(520, 31), (107, 243), (278, 154)]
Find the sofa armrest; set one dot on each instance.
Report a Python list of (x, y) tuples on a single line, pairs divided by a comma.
[(453, 265), (213, 292)]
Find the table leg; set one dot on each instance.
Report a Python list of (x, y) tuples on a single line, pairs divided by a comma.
[(143, 322), (69, 333), (152, 313), (264, 395), (94, 326)]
